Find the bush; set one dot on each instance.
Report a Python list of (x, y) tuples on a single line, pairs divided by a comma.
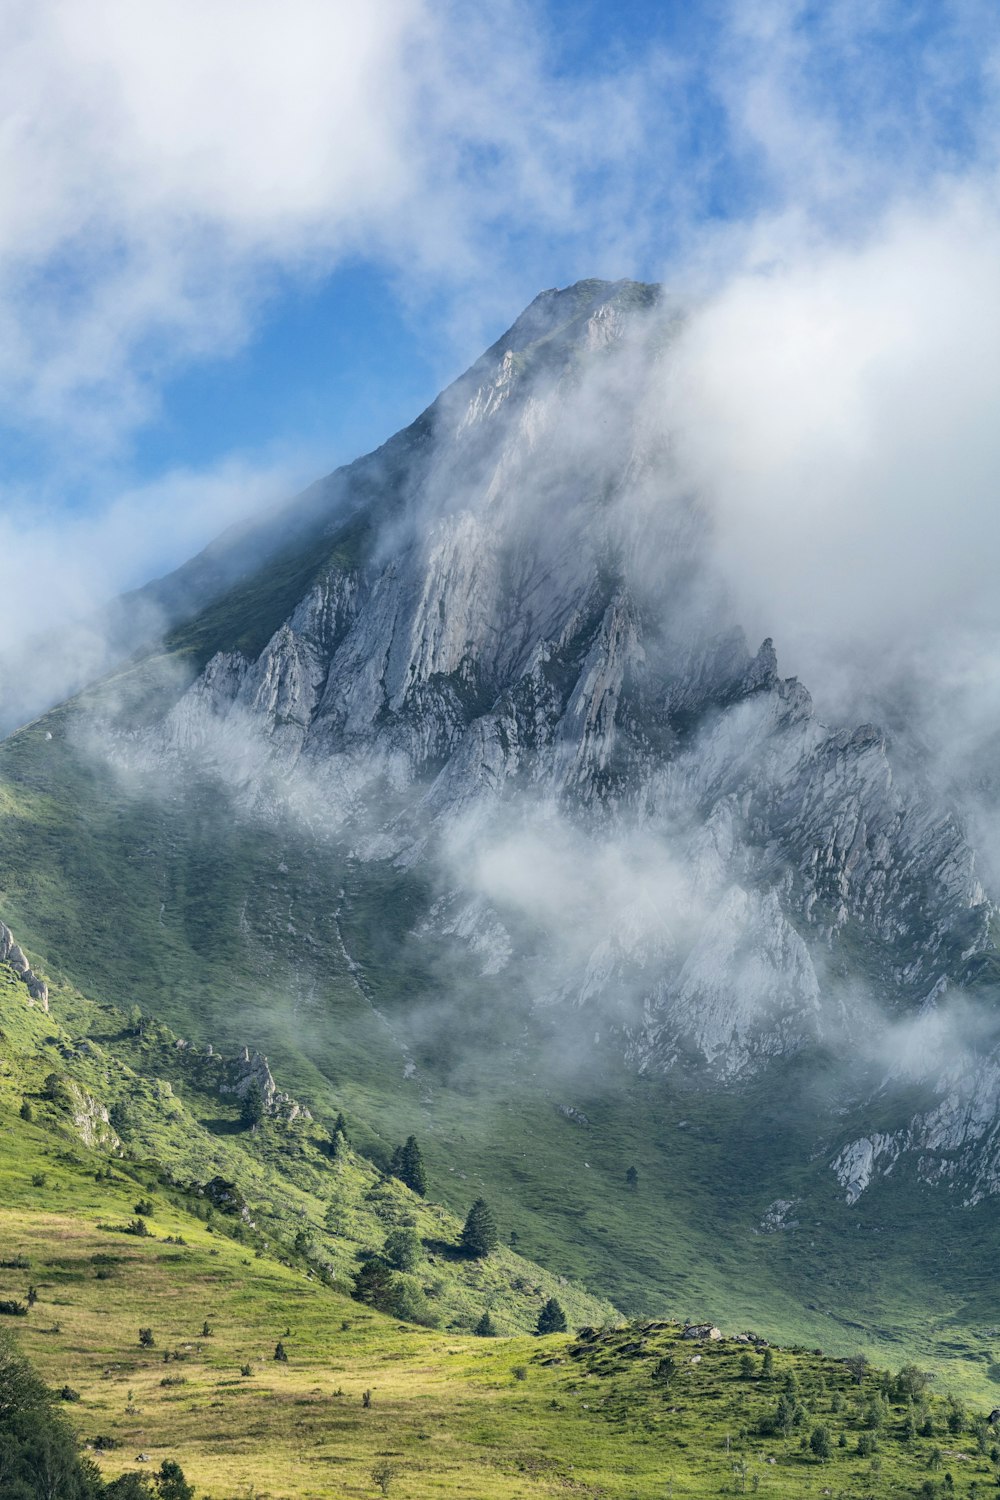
[(409, 1302), (171, 1484), (383, 1475), (144, 1207), (819, 1442), (402, 1249), (910, 1383), (146, 1339), (27, 1113), (12, 1308)]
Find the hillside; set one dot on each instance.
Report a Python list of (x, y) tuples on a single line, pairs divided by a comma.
[(365, 1403), (458, 791)]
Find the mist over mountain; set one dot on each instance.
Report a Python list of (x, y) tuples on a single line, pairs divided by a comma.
[(457, 783), (504, 655)]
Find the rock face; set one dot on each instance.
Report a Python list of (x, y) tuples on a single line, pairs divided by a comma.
[(513, 623), (12, 955), (251, 1070), (954, 1142), (91, 1119)]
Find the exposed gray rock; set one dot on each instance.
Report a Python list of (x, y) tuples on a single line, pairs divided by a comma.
[(249, 1070), (90, 1119), (12, 955), (536, 625)]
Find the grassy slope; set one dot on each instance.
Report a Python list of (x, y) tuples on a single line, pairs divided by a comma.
[(450, 1414), (227, 932)]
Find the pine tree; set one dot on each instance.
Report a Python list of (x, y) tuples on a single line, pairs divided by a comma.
[(486, 1328), (632, 1178), (374, 1284), (551, 1319), (252, 1107), (411, 1167), (480, 1234)]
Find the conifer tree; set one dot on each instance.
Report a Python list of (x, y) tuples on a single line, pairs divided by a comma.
[(486, 1328), (252, 1107), (374, 1284), (410, 1167), (551, 1319), (480, 1234)]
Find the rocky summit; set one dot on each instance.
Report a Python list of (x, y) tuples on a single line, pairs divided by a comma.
[(455, 785), (513, 623)]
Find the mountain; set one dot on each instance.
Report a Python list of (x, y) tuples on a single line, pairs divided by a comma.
[(457, 786)]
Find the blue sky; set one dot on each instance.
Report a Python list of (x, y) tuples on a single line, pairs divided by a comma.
[(242, 241)]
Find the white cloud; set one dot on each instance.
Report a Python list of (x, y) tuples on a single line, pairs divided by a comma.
[(159, 165), (838, 412)]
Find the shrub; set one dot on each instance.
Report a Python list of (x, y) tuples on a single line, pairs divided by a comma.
[(409, 1301), (146, 1339), (402, 1249), (12, 1308), (819, 1442), (144, 1207), (383, 1475), (171, 1484)]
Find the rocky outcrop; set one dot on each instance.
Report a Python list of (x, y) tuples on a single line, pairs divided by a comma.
[(227, 1198), (12, 955), (954, 1143), (533, 628), (90, 1119), (251, 1070)]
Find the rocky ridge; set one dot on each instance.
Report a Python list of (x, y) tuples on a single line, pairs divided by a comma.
[(534, 634)]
